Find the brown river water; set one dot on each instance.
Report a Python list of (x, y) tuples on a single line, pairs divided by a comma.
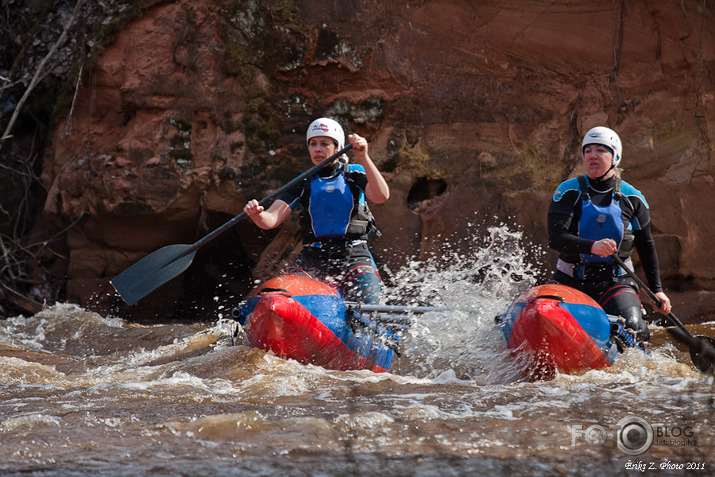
[(84, 394)]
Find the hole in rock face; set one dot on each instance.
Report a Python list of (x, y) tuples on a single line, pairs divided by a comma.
[(424, 189), (327, 45)]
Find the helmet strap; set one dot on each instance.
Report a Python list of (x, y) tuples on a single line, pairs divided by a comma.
[(605, 173)]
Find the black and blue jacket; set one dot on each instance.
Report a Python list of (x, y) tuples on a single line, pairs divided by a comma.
[(569, 235)]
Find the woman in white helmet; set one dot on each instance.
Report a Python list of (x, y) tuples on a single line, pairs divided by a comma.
[(335, 219), (592, 216)]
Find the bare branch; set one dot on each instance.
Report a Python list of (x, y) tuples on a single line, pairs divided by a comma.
[(39, 73), (68, 123)]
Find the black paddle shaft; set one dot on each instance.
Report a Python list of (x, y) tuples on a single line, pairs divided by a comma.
[(206, 239), (702, 348), (160, 266), (673, 319)]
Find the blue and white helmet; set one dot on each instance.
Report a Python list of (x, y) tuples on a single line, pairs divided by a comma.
[(605, 137)]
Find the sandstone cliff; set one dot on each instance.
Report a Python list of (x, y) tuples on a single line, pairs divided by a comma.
[(474, 111)]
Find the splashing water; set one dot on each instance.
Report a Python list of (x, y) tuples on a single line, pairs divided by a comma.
[(476, 286), (86, 394)]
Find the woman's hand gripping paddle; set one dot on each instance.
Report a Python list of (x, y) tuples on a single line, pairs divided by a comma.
[(702, 348), (159, 267)]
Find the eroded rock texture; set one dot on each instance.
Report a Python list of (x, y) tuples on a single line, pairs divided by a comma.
[(474, 110)]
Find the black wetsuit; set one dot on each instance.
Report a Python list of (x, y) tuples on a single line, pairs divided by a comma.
[(609, 285)]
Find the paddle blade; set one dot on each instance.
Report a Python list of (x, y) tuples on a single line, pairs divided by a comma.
[(702, 349), (703, 354), (152, 271)]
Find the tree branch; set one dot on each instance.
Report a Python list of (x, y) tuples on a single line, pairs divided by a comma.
[(39, 73)]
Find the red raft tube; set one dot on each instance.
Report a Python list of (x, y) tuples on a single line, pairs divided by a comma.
[(554, 328), (299, 318)]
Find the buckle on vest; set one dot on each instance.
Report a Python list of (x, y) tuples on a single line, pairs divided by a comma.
[(583, 271), (332, 244)]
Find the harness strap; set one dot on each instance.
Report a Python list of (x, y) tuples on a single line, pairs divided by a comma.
[(594, 272), (583, 185), (334, 243)]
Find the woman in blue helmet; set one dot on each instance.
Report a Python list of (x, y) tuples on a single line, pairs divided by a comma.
[(592, 216), (335, 219)]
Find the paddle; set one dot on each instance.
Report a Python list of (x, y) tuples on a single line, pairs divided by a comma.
[(159, 267), (401, 309), (702, 348), (386, 313)]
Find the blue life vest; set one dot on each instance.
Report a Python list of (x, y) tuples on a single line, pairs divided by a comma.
[(331, 206), (597, 222), (337, 208)]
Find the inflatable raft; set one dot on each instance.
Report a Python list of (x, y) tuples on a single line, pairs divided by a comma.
[(554, 328), (297, 317)]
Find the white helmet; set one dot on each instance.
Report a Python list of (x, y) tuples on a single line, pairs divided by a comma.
[(326, 127), (605, 137)]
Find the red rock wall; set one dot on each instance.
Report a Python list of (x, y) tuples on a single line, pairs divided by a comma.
[(198, 106)]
